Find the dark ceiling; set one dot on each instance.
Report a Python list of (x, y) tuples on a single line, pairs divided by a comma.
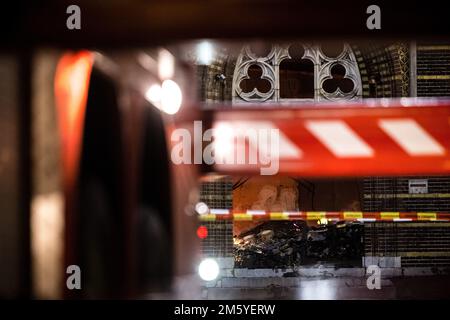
[(124, 23)]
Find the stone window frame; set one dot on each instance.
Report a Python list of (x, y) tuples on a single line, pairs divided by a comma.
[(270, 71)]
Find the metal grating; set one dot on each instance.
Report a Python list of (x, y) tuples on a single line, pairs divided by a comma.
[(425, 262), (217, 194), (392, 194), (433, 70), (219, 242), (419, 244)]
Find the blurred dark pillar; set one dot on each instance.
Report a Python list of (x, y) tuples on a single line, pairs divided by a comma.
[(15, 72)]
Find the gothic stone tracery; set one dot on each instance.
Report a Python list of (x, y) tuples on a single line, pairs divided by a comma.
[(261, 78)]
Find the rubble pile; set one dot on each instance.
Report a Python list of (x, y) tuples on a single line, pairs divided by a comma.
[(283, 244), (341, 241), (274, 244)]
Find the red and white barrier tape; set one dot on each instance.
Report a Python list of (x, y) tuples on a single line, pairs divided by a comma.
[(386, 137)]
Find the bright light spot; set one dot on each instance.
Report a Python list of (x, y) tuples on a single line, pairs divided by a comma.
[(201, 208), (208, 269), (171, 97), (153, 94), (166, 64), (223, 141), (202, 232), (205, 52), (47, 238), (323, 221), (167, 97)]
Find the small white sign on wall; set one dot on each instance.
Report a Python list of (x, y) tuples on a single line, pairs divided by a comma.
[(418, 186)]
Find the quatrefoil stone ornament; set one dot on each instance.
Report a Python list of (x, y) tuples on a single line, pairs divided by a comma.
[(338, 81), (254, 81)]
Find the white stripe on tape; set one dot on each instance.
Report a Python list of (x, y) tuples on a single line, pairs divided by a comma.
[(339, 138), (367, 219), (219, 211), (411, 137), (256, 212)]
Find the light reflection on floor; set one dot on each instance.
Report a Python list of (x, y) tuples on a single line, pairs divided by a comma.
[(338, 288), (318, 290)]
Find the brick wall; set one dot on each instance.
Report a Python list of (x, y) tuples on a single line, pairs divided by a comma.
[(213, 90)]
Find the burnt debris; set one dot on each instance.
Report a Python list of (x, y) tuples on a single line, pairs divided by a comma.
[(287, 244)]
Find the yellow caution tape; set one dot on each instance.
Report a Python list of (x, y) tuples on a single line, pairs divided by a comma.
[(353, 215), (279, 216), (315, 215), (243, 217), (208, 217), (426, 216), (390, 215)]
